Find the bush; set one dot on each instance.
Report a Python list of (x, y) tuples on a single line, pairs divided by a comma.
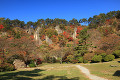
[(6, 67), (103, 55), (109, 58), (97, 58), (17, 35), (74, 61), (68, 45), (54, 60), (50, 59), (32, 64), (116, 53), (88, 56), (85, 61), (70, 58), (13, 57), (39, 61), (80, 59)]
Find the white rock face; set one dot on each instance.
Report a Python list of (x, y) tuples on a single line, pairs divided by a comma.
[(49, 41), (74, 34), (29, 31), (58, 29), (3, 34), (19, 64), (37, 37)]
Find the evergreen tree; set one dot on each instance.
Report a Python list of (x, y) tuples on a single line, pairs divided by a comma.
[(82, 46)]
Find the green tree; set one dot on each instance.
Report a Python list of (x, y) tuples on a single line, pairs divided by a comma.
[(7, 24), (2, 20), (22, 24), (56, 21), (73, 21), (82, 46), (48, 22), (40, 22), (30, 24), (84, 20)]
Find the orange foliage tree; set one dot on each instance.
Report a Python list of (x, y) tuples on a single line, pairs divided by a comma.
[(109, 43)]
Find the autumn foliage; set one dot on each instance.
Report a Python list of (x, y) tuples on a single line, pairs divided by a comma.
[(79, 28), (1, 27)]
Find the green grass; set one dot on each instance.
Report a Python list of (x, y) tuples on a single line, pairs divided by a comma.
[(45, 72), (105, 70)]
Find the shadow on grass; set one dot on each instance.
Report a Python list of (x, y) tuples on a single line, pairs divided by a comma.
[(117, 73), (52, 77), (26, 75), (118, 61), (21, 75)]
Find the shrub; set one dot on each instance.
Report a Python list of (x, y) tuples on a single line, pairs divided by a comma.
[(85, 61), (69, 45), (17, 35), (99, 51), (1, 60), (80, 59), (6, 67), (32, 64), (39, 61), (88, 56), (97, 58), (49, 59), (116, 53), (109, 58), (53, 60), (13, 57), (70, 58), (74, 61), (70, 39), (103, 55)]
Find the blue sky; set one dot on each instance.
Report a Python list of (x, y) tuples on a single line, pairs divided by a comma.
[(31, 10)]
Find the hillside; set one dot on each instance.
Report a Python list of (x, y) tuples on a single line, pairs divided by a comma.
[(61, 41)]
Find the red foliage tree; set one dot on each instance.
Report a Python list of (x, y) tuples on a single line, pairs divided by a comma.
[(70, 39), (32, 36), (43, 37), (1, 27), (23, 47), (79, 28), (66, 35)]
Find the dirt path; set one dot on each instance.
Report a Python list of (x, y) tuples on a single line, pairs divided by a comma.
[(87, 73)]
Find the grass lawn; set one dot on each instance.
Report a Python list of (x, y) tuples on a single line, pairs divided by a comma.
[(45, 72), (105, 70)]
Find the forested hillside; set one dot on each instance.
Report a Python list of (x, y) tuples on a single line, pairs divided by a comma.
[(59, 40)]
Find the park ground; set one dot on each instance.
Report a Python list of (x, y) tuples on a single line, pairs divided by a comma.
[(65, 72)]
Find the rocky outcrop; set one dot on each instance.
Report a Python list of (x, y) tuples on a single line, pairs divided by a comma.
[(75, 33), (37, 37), (29, 30), (58, 29), (49, 41), (19, 64), (3, 34)]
